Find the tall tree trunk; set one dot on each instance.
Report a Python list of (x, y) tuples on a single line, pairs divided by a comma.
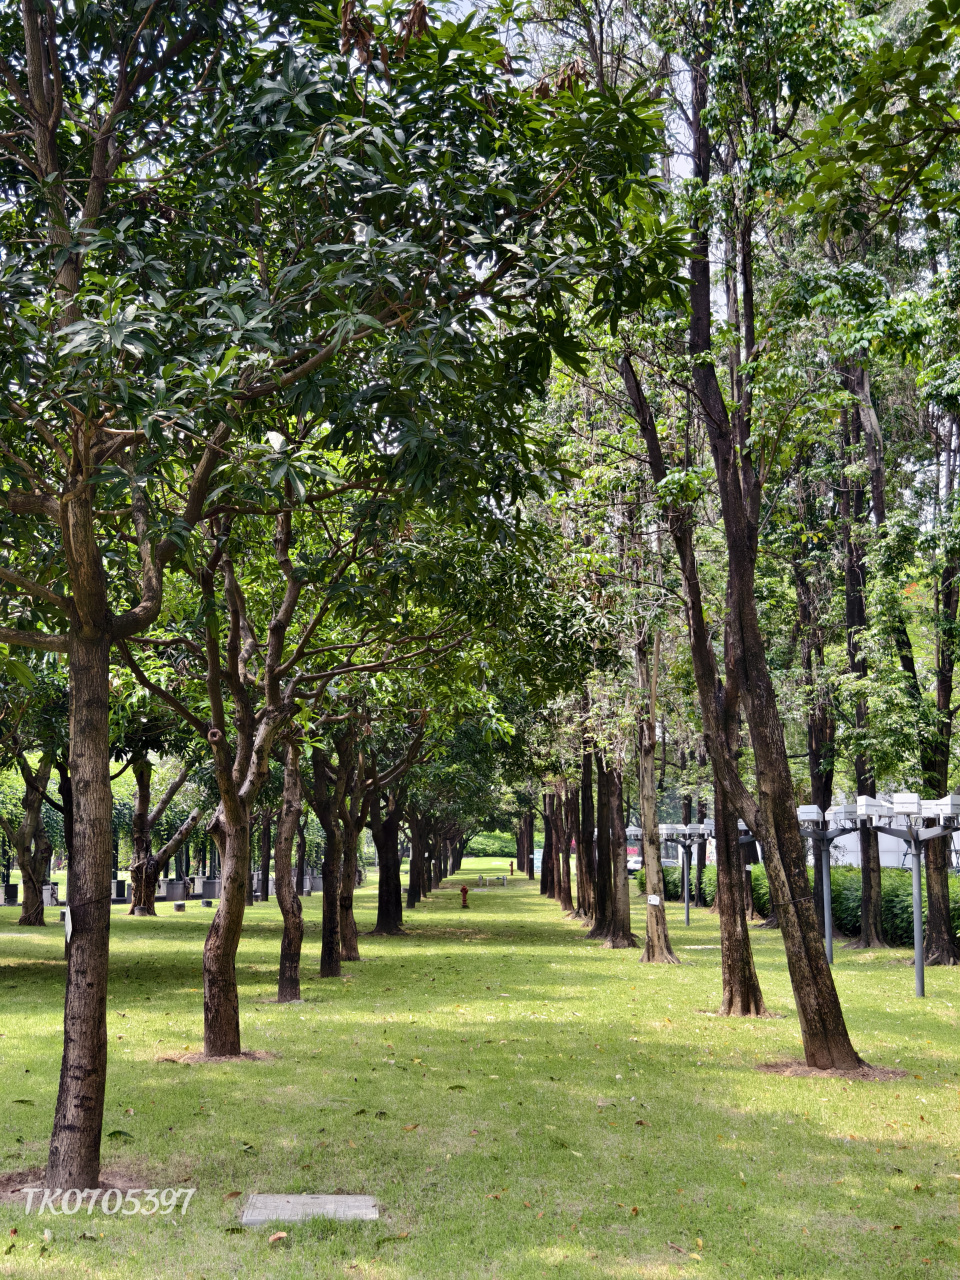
[(529, 825), (773, 817), (657, 948), (552, 802), (604, 893), (265, 847), (31, 852), (546, 862), (349, 941), (288, 985), (698, 899), (331, 873), (74, 1159), (415, 882), (586, 850), (742, 996), (386, 836), (940, 938), (620, 934), (561, 835), (221, 1001)]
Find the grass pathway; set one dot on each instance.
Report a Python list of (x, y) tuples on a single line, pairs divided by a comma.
[(521, 1102)]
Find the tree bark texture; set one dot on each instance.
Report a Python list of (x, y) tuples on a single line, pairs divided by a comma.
[(288, 900), (741, 996), (74, 1159), (604, 883), (385, 828), (619, 935), (586, 856)]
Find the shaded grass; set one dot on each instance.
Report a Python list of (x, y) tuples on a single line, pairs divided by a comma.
[(525, 1056)]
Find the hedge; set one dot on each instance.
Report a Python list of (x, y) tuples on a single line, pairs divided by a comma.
[(896, 898)]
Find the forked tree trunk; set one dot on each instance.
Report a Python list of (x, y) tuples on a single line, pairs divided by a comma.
[(940, 939), (620, 934), (604, 882), (288, 985), (144, 875), (741, 996), (386, 836), (74, 1159)]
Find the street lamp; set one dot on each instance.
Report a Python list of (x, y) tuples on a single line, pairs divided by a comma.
[(838, 813), (907, 804), (686, 838)]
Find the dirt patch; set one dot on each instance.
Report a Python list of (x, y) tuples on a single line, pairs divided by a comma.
[(865, 1072), (248, 1055), (13, 1185)]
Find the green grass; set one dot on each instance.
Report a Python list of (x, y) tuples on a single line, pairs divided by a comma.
[(525, 1055)]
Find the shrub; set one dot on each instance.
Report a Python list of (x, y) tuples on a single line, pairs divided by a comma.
[(896, 898)]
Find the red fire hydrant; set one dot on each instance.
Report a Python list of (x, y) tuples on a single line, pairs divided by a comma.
[(511, 868), (463, 897)]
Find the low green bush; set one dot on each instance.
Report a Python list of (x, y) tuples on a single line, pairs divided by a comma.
[(896, 900)]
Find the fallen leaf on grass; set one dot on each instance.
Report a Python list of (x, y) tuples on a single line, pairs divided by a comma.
[(460, 1088), (277, 1237), (676, 1248), (380, 1115), (121, 1135), (86, 1235), (695, 1255), (635, 1210), (409, 1128), (10, 1247), (351, 1143), (493, 1197), (233, 1195), (527, 1204), (646, 1122)]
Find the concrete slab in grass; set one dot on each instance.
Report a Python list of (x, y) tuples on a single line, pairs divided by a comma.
[(260, 1209)]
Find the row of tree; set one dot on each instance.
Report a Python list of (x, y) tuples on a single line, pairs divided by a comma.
[(295, 493)]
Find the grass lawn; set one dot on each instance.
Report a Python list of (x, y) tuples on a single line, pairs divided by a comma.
[(521, 1102)]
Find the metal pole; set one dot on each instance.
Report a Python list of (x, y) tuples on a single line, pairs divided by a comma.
[(917, 918), (827, 900), (685, 848)]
